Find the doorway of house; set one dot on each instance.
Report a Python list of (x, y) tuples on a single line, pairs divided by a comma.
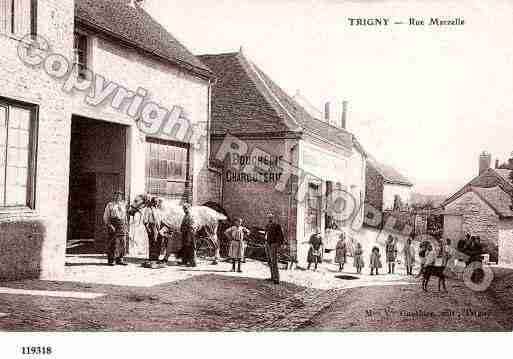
[(97, 168)]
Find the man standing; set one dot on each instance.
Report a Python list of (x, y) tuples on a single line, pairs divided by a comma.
[(274, 239), (115, 219), (315, 250), (188, 230)]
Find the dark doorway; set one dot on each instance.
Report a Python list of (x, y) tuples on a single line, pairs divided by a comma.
[(97, 168)]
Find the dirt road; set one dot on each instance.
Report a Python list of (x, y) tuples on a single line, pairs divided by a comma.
[(408, 308)]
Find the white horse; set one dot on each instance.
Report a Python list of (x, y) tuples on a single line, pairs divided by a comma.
[(163, 218)]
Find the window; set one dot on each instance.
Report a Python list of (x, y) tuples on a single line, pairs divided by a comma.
[(81, 53), (18, 17), (168, 170), (313, 209), (17, 154)]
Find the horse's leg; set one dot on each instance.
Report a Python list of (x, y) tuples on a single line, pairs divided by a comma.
[(214, 241)]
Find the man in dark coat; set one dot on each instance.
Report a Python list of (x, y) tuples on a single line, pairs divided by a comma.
[(188, 231), (116, 221), (274, 239), (315, 250)]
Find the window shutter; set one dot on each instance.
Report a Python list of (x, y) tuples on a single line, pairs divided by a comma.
[(5, 16)]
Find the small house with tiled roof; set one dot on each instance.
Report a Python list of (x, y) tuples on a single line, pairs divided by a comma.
[(280, 158), (384, 184), (484, 208)]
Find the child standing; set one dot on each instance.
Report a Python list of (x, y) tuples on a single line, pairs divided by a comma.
[(391, 252), (341, 252), (375, 260), (358, 258), (237, 233)]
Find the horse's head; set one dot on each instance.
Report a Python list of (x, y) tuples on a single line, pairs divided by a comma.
[(140, 201)]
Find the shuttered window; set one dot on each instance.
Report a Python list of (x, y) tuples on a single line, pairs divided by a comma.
[(81, 48), (168, 170), (18, 17), (17, 154)]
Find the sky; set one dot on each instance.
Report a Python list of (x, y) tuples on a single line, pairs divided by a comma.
[(426, 100)]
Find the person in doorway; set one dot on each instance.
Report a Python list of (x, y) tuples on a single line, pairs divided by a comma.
[(237, 234), (274, 239), (152, 220), (409, 256), (188, 231), (341, 252), (358, 258), (375, 261), (116, 221), (315, 250), (391, 253)]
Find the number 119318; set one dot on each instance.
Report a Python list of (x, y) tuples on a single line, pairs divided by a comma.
[(36, 350)]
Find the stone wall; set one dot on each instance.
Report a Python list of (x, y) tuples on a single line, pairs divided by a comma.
[(33, 241), (478, 219), (506, 241)]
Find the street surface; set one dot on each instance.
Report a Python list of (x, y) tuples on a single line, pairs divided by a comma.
[(95, 297)]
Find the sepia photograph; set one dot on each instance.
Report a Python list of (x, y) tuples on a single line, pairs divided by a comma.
[(297, 166)]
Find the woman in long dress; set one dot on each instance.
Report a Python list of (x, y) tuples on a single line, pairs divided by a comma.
[(237, 234), (375, 261), (315, 250), (341, 252), (358, 258)]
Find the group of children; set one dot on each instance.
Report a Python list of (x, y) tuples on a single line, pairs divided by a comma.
[(238, 233), (375, 256)]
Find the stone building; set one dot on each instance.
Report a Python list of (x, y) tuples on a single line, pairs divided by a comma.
[(483, 207), (104, 99), (278, 157), (383, 184)]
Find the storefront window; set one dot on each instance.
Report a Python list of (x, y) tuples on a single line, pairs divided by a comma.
[(167, 169)]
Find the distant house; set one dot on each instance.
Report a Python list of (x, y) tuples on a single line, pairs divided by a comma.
[(384, 184), (483, 208)]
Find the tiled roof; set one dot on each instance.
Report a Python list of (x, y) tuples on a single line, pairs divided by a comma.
[(496, 198), (246, 100), (505, 174), (134, 25), (501, 178), (389, 174)]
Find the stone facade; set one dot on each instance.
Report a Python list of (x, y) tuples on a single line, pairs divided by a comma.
[(478, 219), (506, 241), (40, 233)]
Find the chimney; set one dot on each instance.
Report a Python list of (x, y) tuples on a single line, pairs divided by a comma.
[(327, 112), (343, 119), (485, 161), (497, 163)]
